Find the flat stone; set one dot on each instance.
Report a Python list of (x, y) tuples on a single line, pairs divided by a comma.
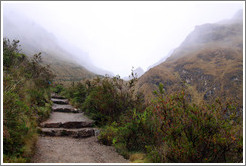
[(81, 124), (67, 117), (51, 125), (56, 96), (67, 120), (85, 133), (59, 101), (75, 133), (48, 133), (68, 125), (64, 108)]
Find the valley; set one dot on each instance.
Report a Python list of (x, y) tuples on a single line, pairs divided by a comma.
[(59, 107)]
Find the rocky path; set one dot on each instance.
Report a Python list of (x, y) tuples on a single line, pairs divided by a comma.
[(68, 136)]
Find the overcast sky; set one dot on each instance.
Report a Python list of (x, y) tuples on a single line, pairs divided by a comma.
[(119, 35)]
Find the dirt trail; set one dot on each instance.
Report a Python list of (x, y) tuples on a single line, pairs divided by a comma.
[(71, 150), (68, 137)]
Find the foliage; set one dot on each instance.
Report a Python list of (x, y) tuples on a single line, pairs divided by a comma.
[(191, 133), (104, 99), (58, 88), (135, 130), (11, 53), (108, 134), (173, 130), (25, 101), (169, 129), (77, 94)]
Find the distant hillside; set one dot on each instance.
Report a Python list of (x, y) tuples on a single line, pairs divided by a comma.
[(66, 71), (67, 65), (209, 63)]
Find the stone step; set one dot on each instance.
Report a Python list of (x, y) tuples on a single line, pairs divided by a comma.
[(68, 125), (59, 119), (64, 108), (59, 101), (75, 133), (56, 96)]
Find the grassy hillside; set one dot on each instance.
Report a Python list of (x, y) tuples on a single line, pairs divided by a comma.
[(66, 71), (208, 64), (67, 62)]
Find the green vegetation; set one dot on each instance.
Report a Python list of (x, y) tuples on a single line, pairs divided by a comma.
[(104, 99), (26, 101), (169, 129)]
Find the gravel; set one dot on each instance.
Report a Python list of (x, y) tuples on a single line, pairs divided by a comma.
[(70, 150)]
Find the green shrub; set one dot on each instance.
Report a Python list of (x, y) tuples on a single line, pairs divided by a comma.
[(137, 130), (13, 159), (78, 94), (108, 98), (15, 126), (43, 112), (121, 149), (36, 97), (25, 101), (108, 134), (58, 88), (11, 50), (173, 130), (191, 133)]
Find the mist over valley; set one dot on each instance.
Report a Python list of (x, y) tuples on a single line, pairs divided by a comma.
[(123, 82)]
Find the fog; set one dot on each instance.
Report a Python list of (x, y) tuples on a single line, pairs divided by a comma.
[(114, 36)]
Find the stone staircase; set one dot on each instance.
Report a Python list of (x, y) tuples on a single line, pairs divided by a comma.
[(65, 120)]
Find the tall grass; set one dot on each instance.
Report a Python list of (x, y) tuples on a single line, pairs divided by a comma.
[(25, 101)]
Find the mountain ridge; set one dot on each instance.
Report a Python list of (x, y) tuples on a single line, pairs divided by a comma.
[(208, 64), (34, 39)]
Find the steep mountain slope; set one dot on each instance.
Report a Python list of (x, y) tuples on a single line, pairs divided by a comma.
[(67, 71), (67, 62), (208, 64)]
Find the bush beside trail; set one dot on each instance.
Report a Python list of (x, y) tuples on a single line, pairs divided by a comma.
[(26, 101), (169, 129)]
